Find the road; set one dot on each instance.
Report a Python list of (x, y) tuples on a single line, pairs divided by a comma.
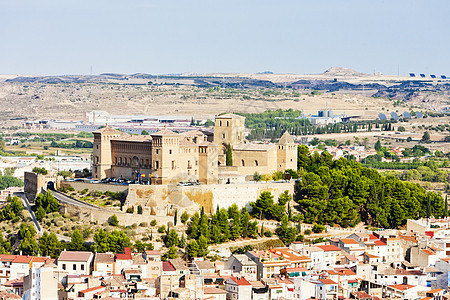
[(33, 216), (67, 200)]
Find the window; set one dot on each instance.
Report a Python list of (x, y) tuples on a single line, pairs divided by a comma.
[(64, 266), (223, 135), (256, 163), (243, 163), (97, 146), (170, 151), (157, 151), (74, 267), (82, 267), (156, 164), (173, 165)]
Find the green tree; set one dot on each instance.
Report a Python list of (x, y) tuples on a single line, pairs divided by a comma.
[(172, 238), (425, 137), (192, 249), (114, 221), (175, 217), (76, 241), (378, 146), (144, 132), (49, 245), (140, 209), (172, 253), (229, 156), (184, 217), (65, 174), (40, 213), (40, 170)]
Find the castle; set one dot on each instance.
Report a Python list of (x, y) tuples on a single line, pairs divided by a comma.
[(166, 157)]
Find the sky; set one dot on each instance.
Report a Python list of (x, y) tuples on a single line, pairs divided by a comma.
[(61, 37)]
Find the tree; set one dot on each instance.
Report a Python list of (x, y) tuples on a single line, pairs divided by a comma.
[(172, 238), (144, 132), (65, 174), (175, 217), (425, 137), (114, 221), (286, 232), (284, 198), (257, 177), (49, 245), (317, 228), (140, 209), (378, 146), (40, 213), (182, 242), (139, 246), (39, 170), (192, 249), (229, 156), (172, 253), (76, 241), (7, 181), (184, 217)]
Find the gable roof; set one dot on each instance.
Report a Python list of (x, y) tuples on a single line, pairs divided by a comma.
[(104, 258), (329, 248), (75, 256), (240, 280)]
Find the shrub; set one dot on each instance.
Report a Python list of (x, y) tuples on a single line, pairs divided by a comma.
[(317, 228), (268, 233), (130, 210), (154, 222), (143, 224), (162, 228), (113, 221), (308, 231)]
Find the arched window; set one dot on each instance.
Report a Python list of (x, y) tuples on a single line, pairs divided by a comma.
[(243, 163), (256, 163)]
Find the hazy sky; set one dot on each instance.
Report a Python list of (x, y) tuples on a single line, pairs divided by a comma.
[(55, 37)]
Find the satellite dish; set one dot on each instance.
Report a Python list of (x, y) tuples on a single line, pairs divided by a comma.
[(382, 116), (406, 115), (419, 115), (394, 116)]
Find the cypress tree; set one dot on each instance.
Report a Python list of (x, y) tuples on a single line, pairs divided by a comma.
[(229, 156)]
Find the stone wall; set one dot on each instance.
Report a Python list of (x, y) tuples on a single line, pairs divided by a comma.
[(103, 215), (79, 186), (162, 200)]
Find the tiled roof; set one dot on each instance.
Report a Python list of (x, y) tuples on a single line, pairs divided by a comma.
[(167, 266), (126, 255), (401, 287), (21, 259), (92, 289), (349, 241), (329, 248), (75, 256), (240, 280), (104, 258), (213, 290), (379, 243), (152, 252), (327, 281), (434, 291)]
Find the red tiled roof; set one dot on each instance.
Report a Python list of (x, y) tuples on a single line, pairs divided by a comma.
[(7, 257), (167, 266), (402, 287), (126, 255), (428, 251), (92, 289), (240, 281), (327, 281), (349, 241), (329, 248), (379, 243), (434, 291)]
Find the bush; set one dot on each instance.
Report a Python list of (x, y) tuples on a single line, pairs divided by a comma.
[(317, 228), (308, 231), (143, 224), (113, 221), (84, 191), (154, 222), (162, 228), (130, 210), (268, 233)]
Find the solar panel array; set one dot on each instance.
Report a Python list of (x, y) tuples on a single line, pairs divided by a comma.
[(382, 116), (433, 76), (422, 75), (406, 115), (419, 115), (412, 74), (394, 116), (443, 77)]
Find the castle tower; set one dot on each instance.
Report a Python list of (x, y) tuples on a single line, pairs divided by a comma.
[(102, 160), (229, 130), (286, 153), (165, 152), (208, 167)]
